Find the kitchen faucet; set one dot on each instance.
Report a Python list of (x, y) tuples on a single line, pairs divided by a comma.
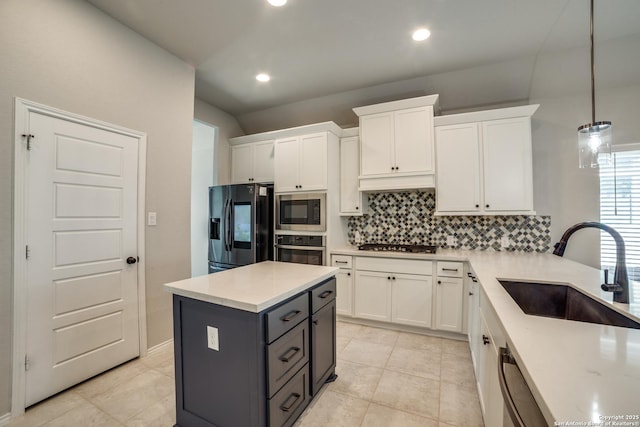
[(620, 285)]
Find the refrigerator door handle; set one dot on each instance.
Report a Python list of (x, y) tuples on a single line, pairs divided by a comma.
[(229, 232)]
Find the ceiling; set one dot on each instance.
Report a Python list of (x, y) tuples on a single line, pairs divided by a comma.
[(319, 48)]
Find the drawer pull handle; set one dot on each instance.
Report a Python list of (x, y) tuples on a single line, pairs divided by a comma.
[(341, 262), (290, 316), (289, 354), (325, 294), (474, 279), (286, 408), (469, 275), (449, 269), (485, 340)]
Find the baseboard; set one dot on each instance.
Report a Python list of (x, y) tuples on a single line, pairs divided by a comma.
[(4, 420), (159, 347)]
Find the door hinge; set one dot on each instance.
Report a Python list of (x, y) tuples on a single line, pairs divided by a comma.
[(27, 252), (29, 137), (26, 362)]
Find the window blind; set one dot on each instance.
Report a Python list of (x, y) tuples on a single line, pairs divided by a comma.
[(620, 208)]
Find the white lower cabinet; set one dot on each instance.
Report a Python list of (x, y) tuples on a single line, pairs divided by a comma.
[(411, 299), (486, 336), (393, 290), (373, 295), (449, 302), (344, 298)]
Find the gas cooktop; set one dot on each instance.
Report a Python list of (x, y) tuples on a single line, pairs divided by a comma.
[(383, 247)]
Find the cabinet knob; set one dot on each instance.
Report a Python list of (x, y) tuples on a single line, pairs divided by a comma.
[(393, 278), (470, 293), (477, 206), (357, 208), (348, 274), (486, 206), (439, 282), (388, 277)]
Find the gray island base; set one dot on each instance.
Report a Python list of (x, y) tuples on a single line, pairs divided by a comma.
[(238, 367)]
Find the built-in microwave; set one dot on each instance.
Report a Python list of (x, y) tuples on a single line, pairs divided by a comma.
[(301, 212)]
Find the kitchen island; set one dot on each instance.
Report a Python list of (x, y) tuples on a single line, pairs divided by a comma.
[(253, 345)]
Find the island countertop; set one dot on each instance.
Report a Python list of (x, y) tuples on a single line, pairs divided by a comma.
[(253, 287)]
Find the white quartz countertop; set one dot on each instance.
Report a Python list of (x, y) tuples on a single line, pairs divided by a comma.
[(579, 372), (254, 287)]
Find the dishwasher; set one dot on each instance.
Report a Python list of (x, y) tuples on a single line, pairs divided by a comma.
[(520, 407)]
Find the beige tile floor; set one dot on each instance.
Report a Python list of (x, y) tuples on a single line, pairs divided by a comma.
[(385, 378)]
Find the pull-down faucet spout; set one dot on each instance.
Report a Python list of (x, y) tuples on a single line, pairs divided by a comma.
[(620, 285)]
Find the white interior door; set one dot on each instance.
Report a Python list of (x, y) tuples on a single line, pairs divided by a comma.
[(82, 303)]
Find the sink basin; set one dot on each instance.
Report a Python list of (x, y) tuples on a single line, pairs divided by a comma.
[(563, 302)]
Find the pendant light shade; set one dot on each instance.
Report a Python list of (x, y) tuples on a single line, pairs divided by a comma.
[(594, 139)]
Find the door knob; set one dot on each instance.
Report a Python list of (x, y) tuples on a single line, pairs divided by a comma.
[(132, 260)]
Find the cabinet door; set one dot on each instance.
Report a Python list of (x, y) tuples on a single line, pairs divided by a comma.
[(287, 162), (313, 162), (491, 399), (372, 295), (323, 345), (413, 139), (458, 168), (242, 163), (411, 299), (349, 170), (263, 162), (473, 328), (449, 304), (376, 140), (507, 165), (344, 298)]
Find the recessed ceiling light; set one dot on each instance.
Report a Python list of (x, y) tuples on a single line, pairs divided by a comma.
[(277, 3), (421, 34), (262, 77)]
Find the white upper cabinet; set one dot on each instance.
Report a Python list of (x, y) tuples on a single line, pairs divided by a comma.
[(352, 201), (301, 163), (396, 140), (484, 167), (252, 162)]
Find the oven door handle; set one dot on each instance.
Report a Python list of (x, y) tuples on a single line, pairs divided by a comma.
[(303, 248)]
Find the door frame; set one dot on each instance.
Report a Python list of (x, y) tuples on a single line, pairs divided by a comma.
[(22, 109)]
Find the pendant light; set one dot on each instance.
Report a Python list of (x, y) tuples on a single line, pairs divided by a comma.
[(594, 139)]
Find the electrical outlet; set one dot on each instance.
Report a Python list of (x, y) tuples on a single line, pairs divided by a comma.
[(152, 218), (451, 241), (212, 338), (505, 242)]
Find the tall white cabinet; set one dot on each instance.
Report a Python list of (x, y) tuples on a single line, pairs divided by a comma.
[(484, 162), (396, 141), (352, 201), (301, 163)]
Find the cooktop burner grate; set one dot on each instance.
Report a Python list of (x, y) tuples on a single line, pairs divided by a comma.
[(383, 247)]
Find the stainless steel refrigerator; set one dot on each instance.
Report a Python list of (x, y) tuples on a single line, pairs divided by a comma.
[(240, 225)]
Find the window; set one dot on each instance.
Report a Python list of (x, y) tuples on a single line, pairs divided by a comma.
[(620, 208)]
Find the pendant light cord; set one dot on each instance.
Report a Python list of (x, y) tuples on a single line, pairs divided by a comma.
[(593, 84)]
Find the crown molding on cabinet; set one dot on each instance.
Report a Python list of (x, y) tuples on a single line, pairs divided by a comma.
[(480, 116), (286, 133), (401, 104)]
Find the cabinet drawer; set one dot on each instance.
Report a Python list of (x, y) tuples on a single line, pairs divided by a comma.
[(286, 356), (449, 269), (342, 261), (394, 265), (323, 294), (290, 401), (285, 317)]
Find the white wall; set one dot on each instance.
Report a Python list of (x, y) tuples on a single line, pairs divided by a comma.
[(202, 171), (69, 55), (228, 127)]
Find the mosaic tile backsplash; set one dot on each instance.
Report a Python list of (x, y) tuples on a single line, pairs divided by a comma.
[(408, 218)]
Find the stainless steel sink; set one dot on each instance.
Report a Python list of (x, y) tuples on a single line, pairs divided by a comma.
[(563, 302)]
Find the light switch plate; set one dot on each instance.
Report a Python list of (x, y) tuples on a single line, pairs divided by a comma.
[(152, 218), (212, 338), (451, 241), (505, 241)]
